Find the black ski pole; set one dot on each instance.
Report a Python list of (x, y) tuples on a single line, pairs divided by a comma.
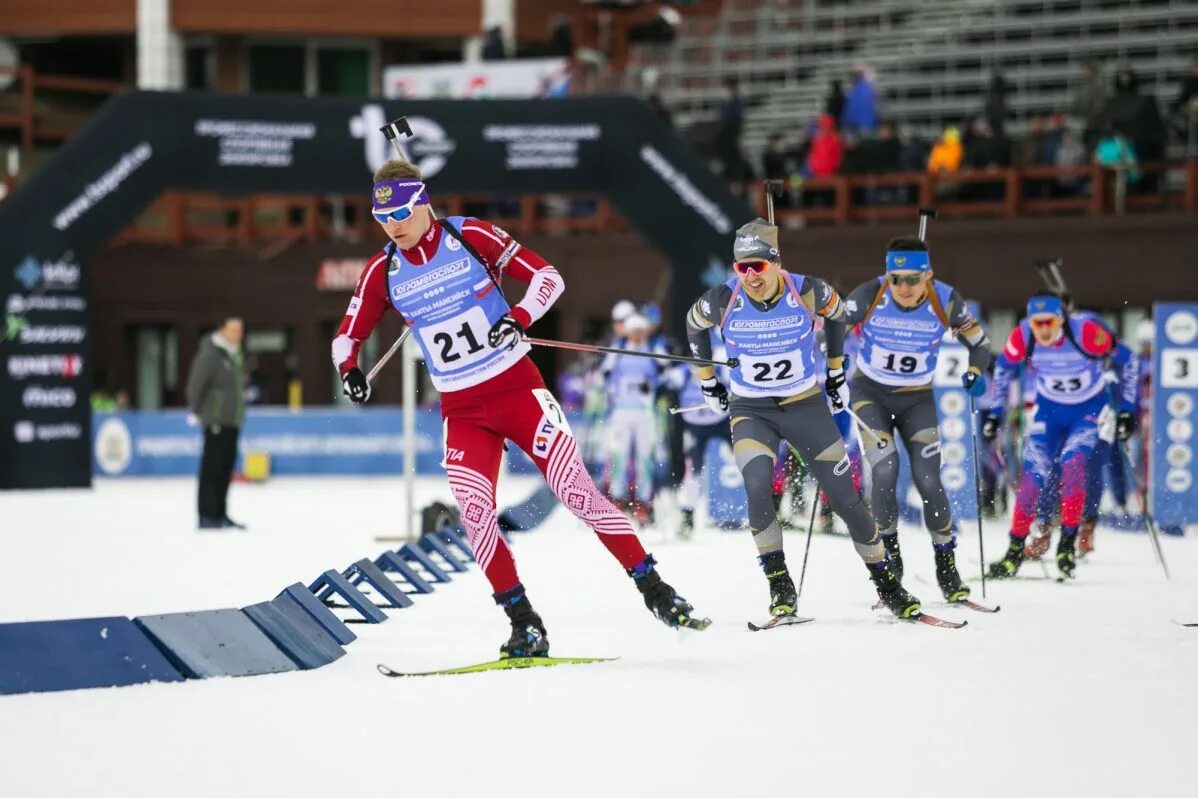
[(807, 548), (694, 361), (977, 488), (1149, 521)]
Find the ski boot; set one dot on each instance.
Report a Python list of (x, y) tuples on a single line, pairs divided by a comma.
[(1036, 545), (665, 604), (891, 591), (687, 528), (947, 575), (1008, 566), (891, 542), (529, 638), (1066, 559), (1085, 539), (782, 588)]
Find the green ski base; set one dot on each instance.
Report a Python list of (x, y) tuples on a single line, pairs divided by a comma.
[(507, 664)]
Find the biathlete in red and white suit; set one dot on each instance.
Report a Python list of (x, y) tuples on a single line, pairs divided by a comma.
[(443, 277)]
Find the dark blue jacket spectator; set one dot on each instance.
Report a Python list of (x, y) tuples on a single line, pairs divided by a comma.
[(860, 113)]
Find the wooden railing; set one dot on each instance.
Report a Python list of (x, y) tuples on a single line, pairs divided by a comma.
[(23, 105), (179, 218), (1026, 191)]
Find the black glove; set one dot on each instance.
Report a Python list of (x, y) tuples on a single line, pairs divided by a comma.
[(833, 387), (505, 328), (973, 382), (715, 394), (646, 388), (990, 427), (354, 383), (1125, 425)]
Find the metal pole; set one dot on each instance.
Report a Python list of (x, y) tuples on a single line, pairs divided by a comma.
[(410, 355)]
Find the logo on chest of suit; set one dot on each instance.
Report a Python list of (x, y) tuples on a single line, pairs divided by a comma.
[(791, 302), (739, 304), (393, 267), (452, 244)]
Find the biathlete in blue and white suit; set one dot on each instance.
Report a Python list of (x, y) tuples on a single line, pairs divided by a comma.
[(699, 428), (1070, 357), (766, 317), (901, 319)]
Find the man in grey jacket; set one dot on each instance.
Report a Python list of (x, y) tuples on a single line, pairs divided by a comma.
[(214, 394)]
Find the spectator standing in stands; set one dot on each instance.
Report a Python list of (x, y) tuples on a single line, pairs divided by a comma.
[(215, 397), (947, 154), (834, 102), (987, 149), (727, 138), (1088, 103), (994, 108), (1071, 153), (827, 149), (774, 160), (1027, 151), (860, 114), (1137, 118), (1185, 109)]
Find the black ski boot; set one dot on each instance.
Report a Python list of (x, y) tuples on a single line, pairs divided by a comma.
[(1008, 566), (892, 551), (1066, 556), (529, 638), (687, 529), (666, 605), (782, 588), (947, 575), (891, 590)]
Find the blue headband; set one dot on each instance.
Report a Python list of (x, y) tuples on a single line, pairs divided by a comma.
[(1045, 304), (910, 261)]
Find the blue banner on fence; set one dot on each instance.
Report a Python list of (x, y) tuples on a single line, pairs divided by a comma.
[(357, 441), (1174, 489)]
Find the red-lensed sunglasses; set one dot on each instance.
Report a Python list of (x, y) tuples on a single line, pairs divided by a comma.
[(747, 267), (1044, 322)]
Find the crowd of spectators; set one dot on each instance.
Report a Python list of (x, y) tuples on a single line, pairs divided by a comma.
[(1109, 121)]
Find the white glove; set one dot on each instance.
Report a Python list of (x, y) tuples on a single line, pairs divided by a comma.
[(715, 394), (193, 420)]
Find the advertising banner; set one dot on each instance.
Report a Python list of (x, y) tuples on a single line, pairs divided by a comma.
[(522, 79), (1173, 491), (311, 442)]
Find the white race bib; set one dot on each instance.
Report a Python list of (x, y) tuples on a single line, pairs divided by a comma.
[(901, 364), (1064, 386), (772, 370), (458, 342)]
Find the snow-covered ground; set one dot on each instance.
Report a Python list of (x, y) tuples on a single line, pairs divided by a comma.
[(1083, 689)]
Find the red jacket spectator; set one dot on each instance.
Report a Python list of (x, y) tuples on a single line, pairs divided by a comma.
[(827, 151)]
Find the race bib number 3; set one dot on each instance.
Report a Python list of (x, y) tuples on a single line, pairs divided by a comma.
[(457, 342), (768, 371)]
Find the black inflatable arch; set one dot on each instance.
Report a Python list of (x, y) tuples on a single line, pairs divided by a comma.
[(141, 144)]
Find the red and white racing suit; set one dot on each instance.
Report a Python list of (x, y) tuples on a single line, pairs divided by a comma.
[(511, 404)]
